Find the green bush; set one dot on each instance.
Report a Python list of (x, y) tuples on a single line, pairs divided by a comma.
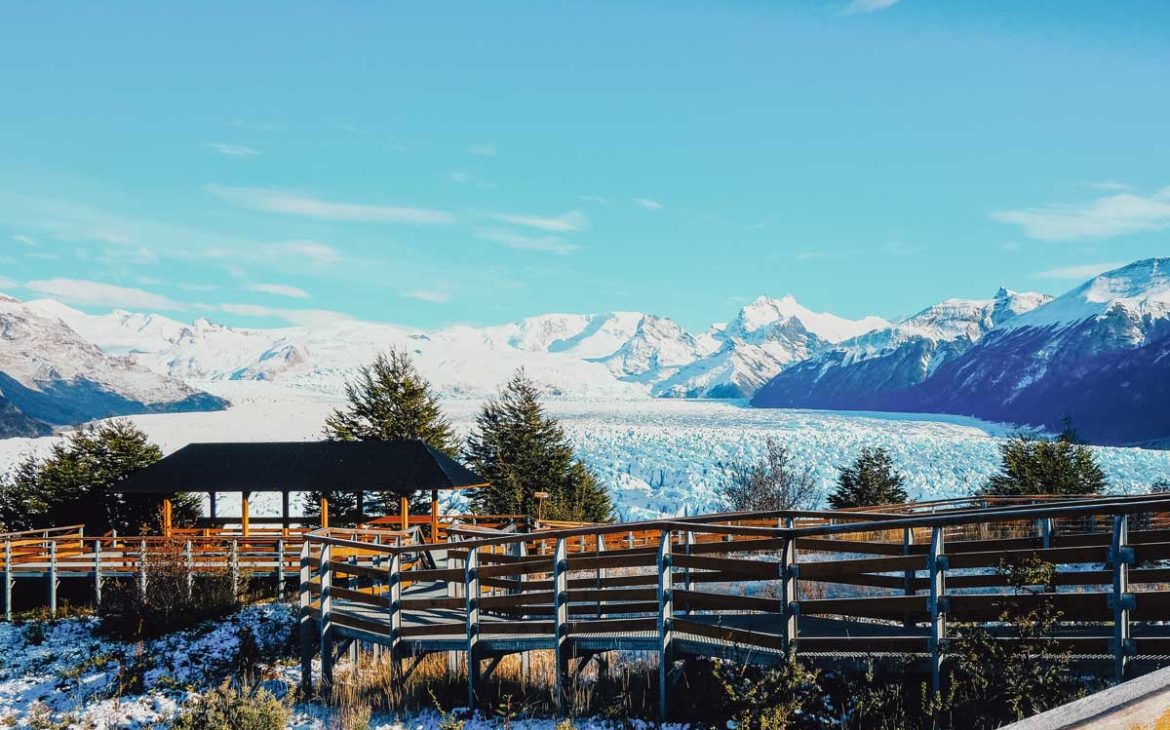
[(168, 604), (786, 697), (227, 708)]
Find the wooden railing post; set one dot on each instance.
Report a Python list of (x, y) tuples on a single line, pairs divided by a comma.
[(97, 573), (52, 577), (326, 581), (665, 619), (471, 589), (1121, 556), (8, 580), (142, 570), (306, 621), (395, 578), (936, 565), (789, 608), (910, 575), (189, 568), (560, 625), (234, 566), (688, 581), (279, 568), (1046, 530), (454, 588)]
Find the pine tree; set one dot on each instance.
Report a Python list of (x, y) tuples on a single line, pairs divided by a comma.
[(770, 484), (388, 400), (521, 451), (869, 481), (1037, 466), (76, 484)]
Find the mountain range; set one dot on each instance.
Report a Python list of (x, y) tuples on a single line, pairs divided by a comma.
[(1099, 354), (1097, 357)]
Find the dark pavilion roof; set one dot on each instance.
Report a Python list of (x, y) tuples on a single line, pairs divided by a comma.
[(403, 466)]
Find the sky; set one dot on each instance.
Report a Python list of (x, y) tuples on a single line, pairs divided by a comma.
[(429, 164)]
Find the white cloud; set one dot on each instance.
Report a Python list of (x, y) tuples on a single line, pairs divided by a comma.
[(433, 296), (1080, 271), (305, 317), (317, 253), (6, 283), (598, 199), (280, 290), (26, 240), (648, 204), (574, 220), (293, 203), (868, 6), (483, 150), (551, 244), (1105, 217), (99, 294), (233, 150)]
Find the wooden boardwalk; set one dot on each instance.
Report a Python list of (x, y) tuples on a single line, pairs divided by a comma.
[(747, 587)]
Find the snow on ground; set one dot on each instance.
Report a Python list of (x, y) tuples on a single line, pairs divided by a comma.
[(663, 456), (64, 674)]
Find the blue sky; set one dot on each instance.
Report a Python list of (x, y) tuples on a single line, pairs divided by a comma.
[(435, 163)]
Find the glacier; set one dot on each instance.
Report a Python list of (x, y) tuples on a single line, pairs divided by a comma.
[(658, 457)]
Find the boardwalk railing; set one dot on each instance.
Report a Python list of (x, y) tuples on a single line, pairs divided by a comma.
[(831, 586)]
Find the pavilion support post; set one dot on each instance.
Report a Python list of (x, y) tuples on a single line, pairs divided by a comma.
[(167, 513), (1121, 557), (244, 512), (560, 625), (936, 564), (360, 502), (434, 515), (324, 512), (326, 581), (285, 523), (97, 573), (789, 608), (8, 580), (404, 510), (53, 578), (305, 622), (212, 507), (665, 620), (471, 586)]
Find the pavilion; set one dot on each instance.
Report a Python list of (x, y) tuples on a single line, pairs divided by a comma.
[(402, 467)]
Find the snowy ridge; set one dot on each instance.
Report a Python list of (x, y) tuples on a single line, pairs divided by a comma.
[(1140, 290), (607, 355), (54, 376)]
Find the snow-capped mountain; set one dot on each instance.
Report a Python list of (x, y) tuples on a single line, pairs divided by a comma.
[(50, 375), (610, 355), (862, 372), (764, 338), (1098, 356)]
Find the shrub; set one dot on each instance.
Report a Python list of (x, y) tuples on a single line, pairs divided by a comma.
[(168, 605), (226, 708), (771, 483), (868, 482), (786, 697), (1033, 466)]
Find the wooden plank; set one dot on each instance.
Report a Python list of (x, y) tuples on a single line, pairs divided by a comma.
[(424, 604), (362, 597), (613, 626), (838, 568), (888, 607), (728, 634), (361, 624), (440, 629), (703, 601), (738, 567), (623, 559)]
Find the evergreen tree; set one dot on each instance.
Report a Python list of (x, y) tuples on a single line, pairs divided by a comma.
[(75, 484), (770, 484), (388, 400), (521, 451), (869, 481), (1037, 466)]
